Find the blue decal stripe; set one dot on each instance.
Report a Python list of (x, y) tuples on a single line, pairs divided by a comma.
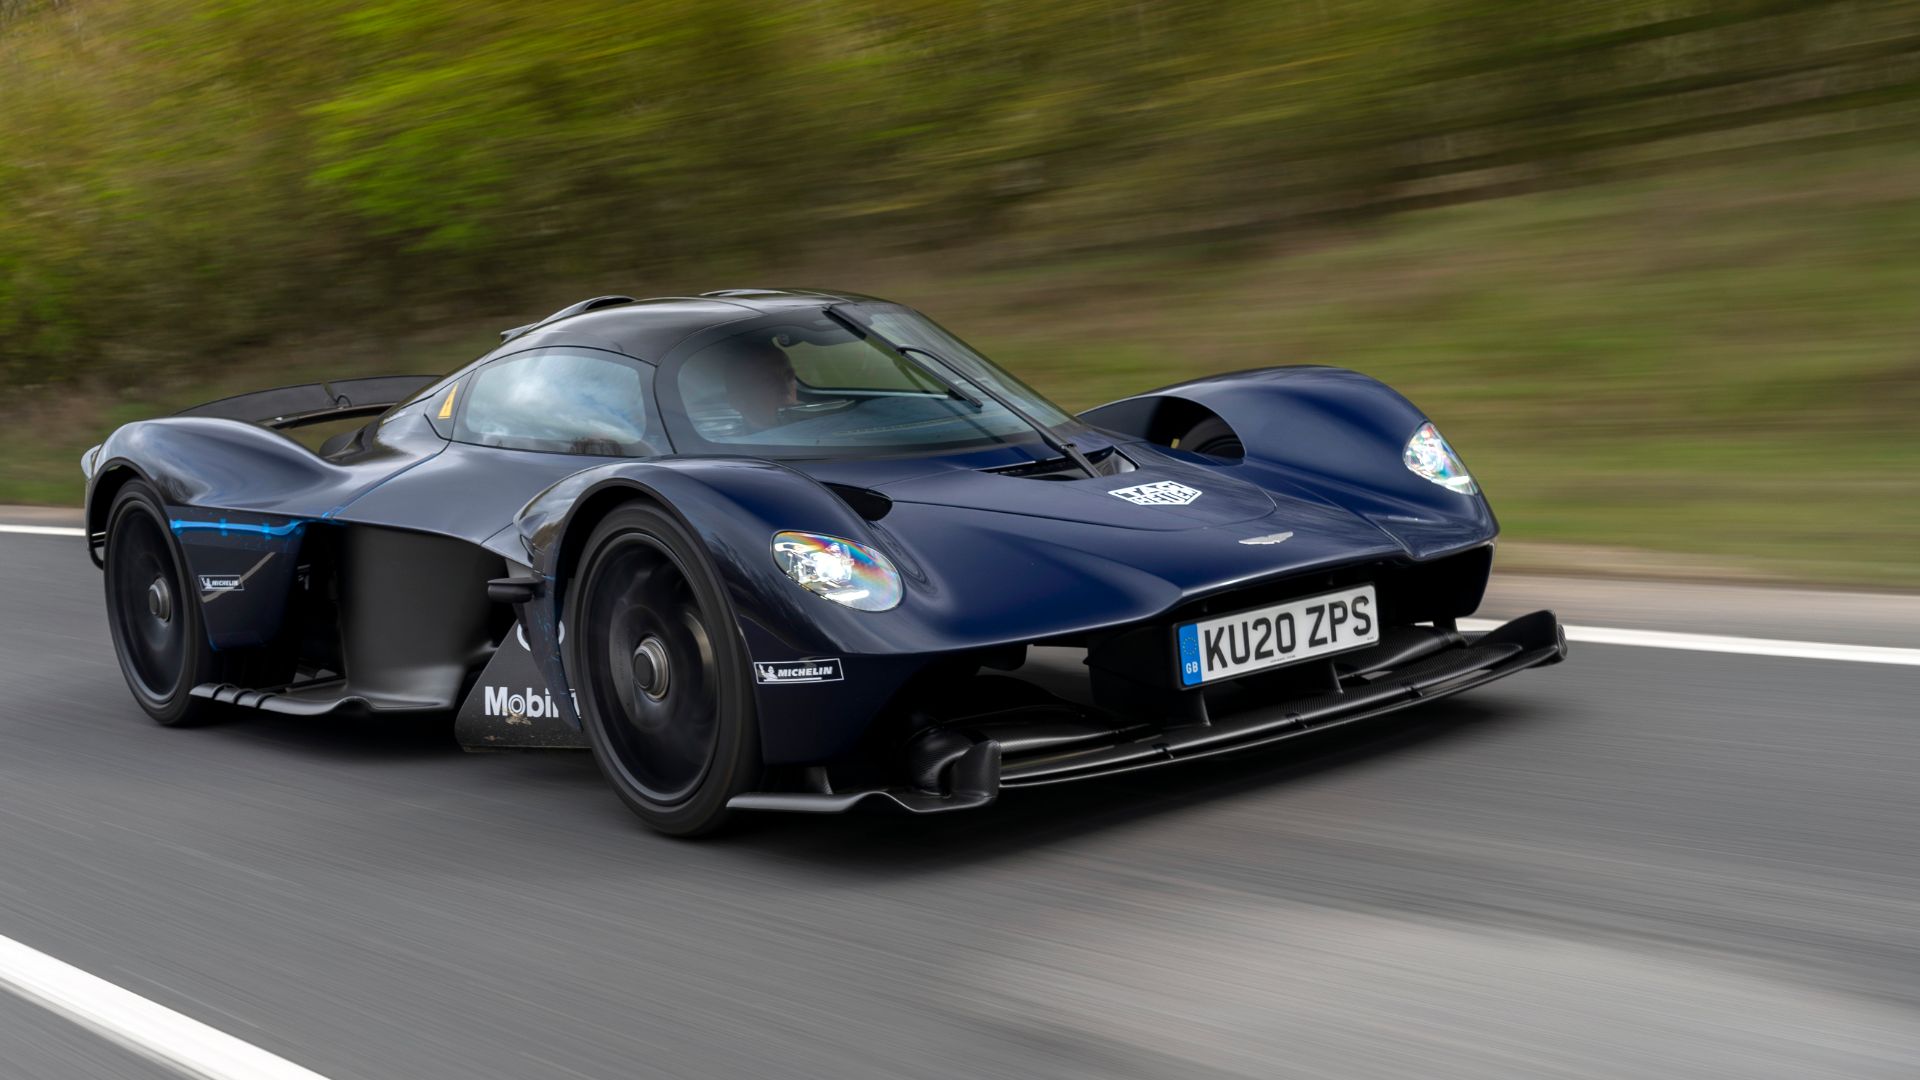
[(1189, 654), (224, 527)]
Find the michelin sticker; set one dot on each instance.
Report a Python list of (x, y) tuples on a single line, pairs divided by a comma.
[(797, 671), (1159, 493), (223, 583)]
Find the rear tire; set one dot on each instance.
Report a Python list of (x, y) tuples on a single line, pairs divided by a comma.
[(1213, 438), (159, 634), (660, 673)]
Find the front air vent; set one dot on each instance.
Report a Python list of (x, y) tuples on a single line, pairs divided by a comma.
[(1106, 462), (870, 505)]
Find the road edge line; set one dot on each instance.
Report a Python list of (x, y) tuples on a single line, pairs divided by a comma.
[(1720, 643), (145, 1027)]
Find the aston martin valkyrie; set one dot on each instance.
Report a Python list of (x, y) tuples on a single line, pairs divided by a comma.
[(804, 551)]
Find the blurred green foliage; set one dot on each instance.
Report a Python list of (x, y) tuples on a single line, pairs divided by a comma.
[(178, 175)]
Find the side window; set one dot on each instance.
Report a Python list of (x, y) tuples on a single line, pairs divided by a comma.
[(566, 401)]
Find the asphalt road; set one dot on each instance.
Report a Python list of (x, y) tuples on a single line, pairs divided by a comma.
[(1640, 863)]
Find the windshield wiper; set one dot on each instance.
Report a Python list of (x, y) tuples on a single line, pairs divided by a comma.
[(953, 388), (934, 371)]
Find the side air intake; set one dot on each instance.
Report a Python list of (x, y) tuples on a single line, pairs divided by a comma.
[(580, 308)]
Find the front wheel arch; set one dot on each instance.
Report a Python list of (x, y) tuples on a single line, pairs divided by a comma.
[(1165, 420)]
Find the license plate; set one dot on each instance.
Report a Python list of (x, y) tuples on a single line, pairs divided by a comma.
[(1249, 641)]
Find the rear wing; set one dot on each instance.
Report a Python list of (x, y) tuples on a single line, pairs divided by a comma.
[(315, 403)]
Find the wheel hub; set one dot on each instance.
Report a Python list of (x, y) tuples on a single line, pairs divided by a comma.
[(160, 600), (651, 674)]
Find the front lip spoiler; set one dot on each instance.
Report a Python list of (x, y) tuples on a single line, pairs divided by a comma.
[(976, 779), (972, 781)]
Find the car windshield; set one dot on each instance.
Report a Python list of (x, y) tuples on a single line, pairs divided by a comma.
[(864, 377)]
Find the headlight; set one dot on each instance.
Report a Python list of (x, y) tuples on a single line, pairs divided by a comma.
[(1429, 455), (840, 570)]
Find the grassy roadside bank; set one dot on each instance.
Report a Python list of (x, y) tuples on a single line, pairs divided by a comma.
[(1724, 365)]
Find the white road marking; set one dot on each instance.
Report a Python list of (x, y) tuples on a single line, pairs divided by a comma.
[(1716, 643), (153, 1031), (44, 530)]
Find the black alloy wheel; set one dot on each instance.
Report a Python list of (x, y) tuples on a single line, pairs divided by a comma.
[(660, 673), (154, 615)]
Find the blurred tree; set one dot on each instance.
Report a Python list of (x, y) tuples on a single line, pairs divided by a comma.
[(174, 169)]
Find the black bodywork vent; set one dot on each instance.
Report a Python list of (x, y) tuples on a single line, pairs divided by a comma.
[(580, 308), (870, 505), (1107, 462)]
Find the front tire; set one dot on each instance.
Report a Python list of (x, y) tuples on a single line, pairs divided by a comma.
[(660, 674), (159, 634)]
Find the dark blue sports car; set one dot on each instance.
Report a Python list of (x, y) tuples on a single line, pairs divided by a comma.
[(797, 550)]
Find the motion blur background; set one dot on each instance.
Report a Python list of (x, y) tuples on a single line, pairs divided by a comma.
[(1653, 265)]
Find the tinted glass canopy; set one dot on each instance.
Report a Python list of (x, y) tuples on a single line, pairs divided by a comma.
[(845, 378), (766, 373)]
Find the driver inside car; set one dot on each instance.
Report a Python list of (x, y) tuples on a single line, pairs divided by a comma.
[(759, 382)]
